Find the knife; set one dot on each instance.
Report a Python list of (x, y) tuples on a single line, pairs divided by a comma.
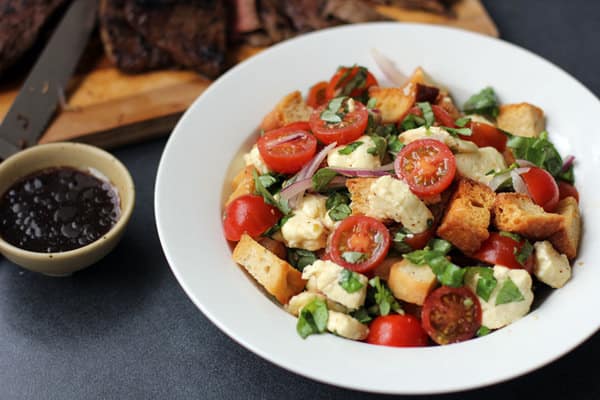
[(37, 100)]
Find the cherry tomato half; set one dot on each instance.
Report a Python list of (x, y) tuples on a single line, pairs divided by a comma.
[(397, 331), (344, 77), (287, 156), (317, 94), (451, 315), (359, 243), (427, 166), (565, 189), (441, 116), (501, 250), (484, 135), (542, 187), (351, 128), (248, 213)]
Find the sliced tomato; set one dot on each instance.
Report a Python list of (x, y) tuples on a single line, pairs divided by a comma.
[(351, 128), (542, 188), (484, 135), (427, 166), (451, 315), (565, 189), (359, 243), (248, 213), (502, 250), (286, 150), (317, 95), (441, 116), (350, 81), (397, 331)]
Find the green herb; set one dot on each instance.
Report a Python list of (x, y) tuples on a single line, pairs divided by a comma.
[(458, 131), (332, 113), (523, 254), (313, 318), (277, 226), (427, 113), (517, 238), (300, 258), (361, 315), (441, 245), (267, 180), (483, 103), (394, 145), (509, 293), (335, 199), (541, 152), (482, 331), (379, 147), (350, 281), (371, 103), (412, 121), (340, 212), (282, 204), (322, 178), (354, 257), (462, 122), (503, 171), (486, 283), (357, 81), (399, 241), (383, 298), (349, 148), (447, 273)]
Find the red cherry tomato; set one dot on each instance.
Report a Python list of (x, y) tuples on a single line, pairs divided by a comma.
[(317, 94), (565, 189), (484, 135), (397, 331), (427, 166), (287, 156), (351, 128), (451, 315), (441, 116), (248, 213), (359, 243), (501, 250), (344, 77), (542, 187)]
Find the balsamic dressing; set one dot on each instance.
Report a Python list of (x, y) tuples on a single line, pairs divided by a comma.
[(58, 209)]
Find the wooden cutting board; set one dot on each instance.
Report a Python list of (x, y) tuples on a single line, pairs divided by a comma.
[(108, 108)]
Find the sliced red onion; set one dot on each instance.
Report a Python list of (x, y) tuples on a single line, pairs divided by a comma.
[(364, 173), (524, 163), (336, 183), (296, 189), (388, 68), (285, 139), (310, 168), (518, 182), (568, 163), (498, 180)]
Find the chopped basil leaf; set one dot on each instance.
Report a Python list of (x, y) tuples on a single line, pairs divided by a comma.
[(462, 122), (322, 178), (350, 281), (361, 315), (503, 171), (412, 121), (332, 113), (277, 227), (441, 245), (483, 103), (482, 331), (524, 253), (371, 103), (349, 148), (358, 81), (513, 236), (394, 145), (340, 212), (509, 293), (300, 258), (282, 204), (354, 257), (335, 199), (313, 318), (383, 298), (486, 283), (427, 113), (540, 151), (267, 180), (447, 273), (399, 241), (379, 147), (335, 104), (458, 131), (330, 117)]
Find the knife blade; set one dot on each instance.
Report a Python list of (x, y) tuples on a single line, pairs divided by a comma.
[(36, 102)]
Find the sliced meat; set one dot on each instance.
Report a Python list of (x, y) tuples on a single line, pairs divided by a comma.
[(274, 20), (246, 16), (352, 11), (124, 46), (191, 31), (307, 15), (20, 24)]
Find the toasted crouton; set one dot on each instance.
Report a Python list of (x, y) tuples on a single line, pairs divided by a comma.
[(411, 283), (359, 192), (522, 119), (566, 239), (277, 276), (392, 102), (516, 212), (291, 108), (467, 218), (242, 184)]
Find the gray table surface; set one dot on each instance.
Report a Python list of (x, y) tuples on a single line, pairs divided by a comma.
[(125, 329)]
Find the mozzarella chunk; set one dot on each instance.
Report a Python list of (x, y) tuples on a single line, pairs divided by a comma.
[(391, 198), (551, 267), (300, 300), (359, 158), (324, 277), (346, 326), (254, 158), (435, 132), (480, 118), (496, 316), (310, 225), (477, 164)]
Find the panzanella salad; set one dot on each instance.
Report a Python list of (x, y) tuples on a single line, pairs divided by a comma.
[(391, 216)]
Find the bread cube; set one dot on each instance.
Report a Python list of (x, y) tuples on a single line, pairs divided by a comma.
[(522, 119)]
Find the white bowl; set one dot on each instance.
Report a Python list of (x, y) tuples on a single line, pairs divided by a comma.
[(196, 168)]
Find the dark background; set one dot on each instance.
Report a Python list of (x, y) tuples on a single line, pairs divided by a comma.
[(125, 329)]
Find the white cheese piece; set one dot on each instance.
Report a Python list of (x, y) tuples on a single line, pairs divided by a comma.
[(310, 225), (254, 158), (496, 316), (477, 164), (435, 132), (324, 276), (300, 300), (346, 326), (551, 267), (480, 118), (359, 158), (391, 198)]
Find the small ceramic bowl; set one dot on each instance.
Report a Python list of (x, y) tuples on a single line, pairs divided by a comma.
[(83, 157)]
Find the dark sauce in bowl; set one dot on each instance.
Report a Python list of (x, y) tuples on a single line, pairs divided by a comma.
[(58, 209)]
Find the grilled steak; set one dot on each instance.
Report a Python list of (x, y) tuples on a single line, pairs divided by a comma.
[(20, 23), (124, 46)]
